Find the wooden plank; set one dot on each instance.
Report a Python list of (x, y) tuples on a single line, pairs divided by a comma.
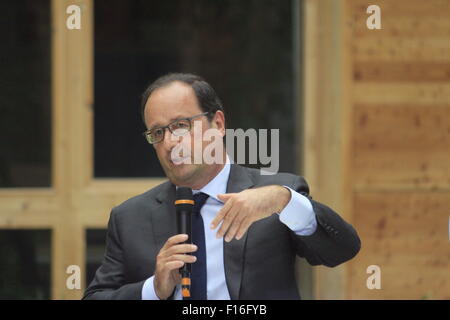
[(404, 280), (96, 218), (402, 26), (18, 200), (324, 114), (391, 93), (401, 147), (28, 219), (79, 99), (73, 100), (94, 203), (95, 210), (420, 170), (401, 127), (399, 8), (431, 48), (406, 234), (68, 249), (388, 71), (80, 103)]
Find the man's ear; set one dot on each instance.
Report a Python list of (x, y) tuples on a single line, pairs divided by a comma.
[(219, 121)]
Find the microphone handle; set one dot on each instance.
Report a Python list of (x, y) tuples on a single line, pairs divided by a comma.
[(185, 227)]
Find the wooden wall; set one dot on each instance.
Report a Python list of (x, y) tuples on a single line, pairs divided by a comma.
[(400, 148), (386, 167)]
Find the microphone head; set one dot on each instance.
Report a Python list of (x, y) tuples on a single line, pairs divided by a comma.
[(184, 199), (184, 193)]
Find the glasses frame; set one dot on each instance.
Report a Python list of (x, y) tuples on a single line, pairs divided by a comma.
[(147, 133)]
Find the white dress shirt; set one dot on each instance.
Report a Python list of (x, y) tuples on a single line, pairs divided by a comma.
[(303, 224)]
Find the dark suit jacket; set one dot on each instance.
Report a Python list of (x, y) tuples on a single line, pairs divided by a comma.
[(258, 266)]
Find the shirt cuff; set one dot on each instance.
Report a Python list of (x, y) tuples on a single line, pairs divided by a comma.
[(148, 290), (299, 215)]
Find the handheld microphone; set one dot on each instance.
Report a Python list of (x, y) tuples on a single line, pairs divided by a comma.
[(184, 204)]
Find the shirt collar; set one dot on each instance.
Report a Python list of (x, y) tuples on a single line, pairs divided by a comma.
[(218, 185)]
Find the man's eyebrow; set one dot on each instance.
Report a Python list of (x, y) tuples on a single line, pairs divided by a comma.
[(157, 125)]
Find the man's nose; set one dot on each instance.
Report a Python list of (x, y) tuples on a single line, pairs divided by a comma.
[(169, 141)]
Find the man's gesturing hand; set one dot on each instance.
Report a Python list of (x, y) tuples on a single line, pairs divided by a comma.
[(170, 258), (242, 209)]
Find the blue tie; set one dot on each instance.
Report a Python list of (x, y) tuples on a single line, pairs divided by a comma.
[(198, 275)]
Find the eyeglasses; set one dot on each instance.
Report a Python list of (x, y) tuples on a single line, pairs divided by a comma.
[(179, 127)]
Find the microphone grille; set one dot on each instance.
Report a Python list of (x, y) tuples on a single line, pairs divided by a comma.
[(184, 193)]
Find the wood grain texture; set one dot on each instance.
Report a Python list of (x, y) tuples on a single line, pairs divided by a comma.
[(402, 26), (405, 93), (401, 149), (402, 8), (406, 235), (325, 100), (402, 48), (389, 71)]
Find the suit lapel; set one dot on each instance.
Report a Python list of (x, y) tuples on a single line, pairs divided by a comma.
[(233, 251), (164, 220)]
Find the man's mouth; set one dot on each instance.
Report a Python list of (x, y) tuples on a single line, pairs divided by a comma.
[(179, 160)]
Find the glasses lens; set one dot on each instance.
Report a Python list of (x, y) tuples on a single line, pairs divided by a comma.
[(181, 127), (155, 136), (149, 138)]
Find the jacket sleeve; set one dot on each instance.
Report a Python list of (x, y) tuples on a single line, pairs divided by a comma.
[(334, 241), (109, 280)]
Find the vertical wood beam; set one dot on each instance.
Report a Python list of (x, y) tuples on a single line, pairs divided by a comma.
[(326, 122), (72, 97)]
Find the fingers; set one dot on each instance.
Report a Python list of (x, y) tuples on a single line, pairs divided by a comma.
[(172, 248), (232, 215), (234, 227), (166, 278), (180, 248), (172, 256), (175, 240), (230, 219), (222, 213), (185, 258), (243, 228), (176, 275), (173, 265), (225, 196)]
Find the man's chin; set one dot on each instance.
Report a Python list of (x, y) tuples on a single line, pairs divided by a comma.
[(181, 173)]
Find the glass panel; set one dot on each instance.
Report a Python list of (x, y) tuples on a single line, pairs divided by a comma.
[(243, 49), (95, 249), (25, 121), (25, 264)]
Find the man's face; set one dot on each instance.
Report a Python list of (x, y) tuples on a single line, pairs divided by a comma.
[(175, 101)]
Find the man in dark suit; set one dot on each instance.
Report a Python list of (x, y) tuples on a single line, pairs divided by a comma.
[(249, 227)]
